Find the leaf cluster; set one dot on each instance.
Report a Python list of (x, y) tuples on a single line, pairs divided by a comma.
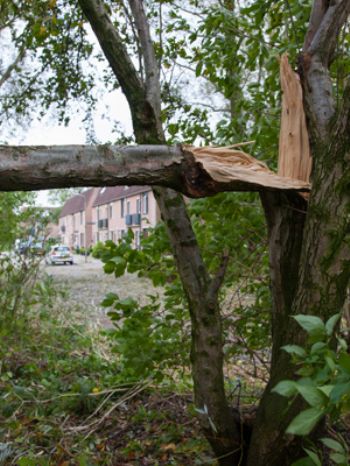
[(324, 382)]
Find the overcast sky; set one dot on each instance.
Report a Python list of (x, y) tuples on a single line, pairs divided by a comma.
[(48, 133)]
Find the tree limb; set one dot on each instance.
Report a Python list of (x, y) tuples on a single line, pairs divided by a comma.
[(7, 73), (114, 50), (181, 168), (323, 40), (326, 20), (219, 276), (151, 64)]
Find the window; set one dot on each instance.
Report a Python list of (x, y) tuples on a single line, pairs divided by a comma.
[(138, 206), (81, 217), (128, 208), (122, 207), (110, 213), (82, 243), (145, 203)]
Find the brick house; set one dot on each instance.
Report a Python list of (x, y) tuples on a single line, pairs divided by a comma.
[(98, 214), (75, 221), (117, 209)]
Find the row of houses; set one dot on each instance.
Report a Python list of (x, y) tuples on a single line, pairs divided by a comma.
[(99, 214)]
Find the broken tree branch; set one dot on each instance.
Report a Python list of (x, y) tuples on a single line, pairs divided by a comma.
[(196, 172)]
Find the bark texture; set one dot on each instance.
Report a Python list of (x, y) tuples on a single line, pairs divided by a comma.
[(309, 250), (206, 351), (196, 172)]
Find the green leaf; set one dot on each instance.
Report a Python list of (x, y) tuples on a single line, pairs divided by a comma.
[(109, 299), (331, 323), (313, 456), (313, 325), (339, 458), (120, 265), (109, 267), (285, 388), (311, 394), (330, 363), (339, 391), (317, 347), (326, 389), (306, 461), (295, 349), (333, 444), (305, 421)]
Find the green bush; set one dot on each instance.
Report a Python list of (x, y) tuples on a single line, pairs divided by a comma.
[(324, 384)]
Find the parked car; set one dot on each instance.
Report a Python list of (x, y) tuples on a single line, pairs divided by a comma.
[(59, 254), (37, 249)]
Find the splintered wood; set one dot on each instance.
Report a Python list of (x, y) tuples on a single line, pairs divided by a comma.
[(230, 165), (294, 158)]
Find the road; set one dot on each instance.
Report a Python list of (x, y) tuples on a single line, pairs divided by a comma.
[(87, 285)]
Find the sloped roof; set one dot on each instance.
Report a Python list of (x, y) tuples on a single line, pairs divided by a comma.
[(110, 194), (76, 203)]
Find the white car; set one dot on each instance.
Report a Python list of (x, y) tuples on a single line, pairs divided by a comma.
[(59, 254)]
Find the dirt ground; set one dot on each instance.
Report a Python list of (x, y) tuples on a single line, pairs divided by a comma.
[(87, 284)]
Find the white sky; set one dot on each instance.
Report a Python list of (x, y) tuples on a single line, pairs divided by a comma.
[(47, 133)]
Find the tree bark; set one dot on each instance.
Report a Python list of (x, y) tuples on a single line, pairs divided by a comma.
[(206, 354), (309, 252), (194, 172)]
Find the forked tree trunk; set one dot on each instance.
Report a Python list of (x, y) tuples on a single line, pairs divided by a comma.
[(309, 246), (202, 292)]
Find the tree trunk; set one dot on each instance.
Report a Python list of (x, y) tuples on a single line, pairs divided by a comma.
[(317, 253), (202, 293), (216, 418), (310, 270)]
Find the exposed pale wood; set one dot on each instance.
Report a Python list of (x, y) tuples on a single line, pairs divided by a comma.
[(294, 158), (196, 172), (226, 165)]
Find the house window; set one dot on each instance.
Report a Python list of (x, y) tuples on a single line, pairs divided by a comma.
[(110, 213), (138, 206), (128, 208), (81, 217), (82, 243), (145, 203), (122, 207)]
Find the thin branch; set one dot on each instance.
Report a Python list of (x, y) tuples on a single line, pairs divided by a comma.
[(7, 73), (138, 45), (151, 64), (219, 277), (211, 107)]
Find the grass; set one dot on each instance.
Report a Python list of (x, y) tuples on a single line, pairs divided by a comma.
[(62, 401)]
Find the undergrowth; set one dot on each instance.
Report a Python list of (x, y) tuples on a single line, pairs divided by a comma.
[(63, 402)]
